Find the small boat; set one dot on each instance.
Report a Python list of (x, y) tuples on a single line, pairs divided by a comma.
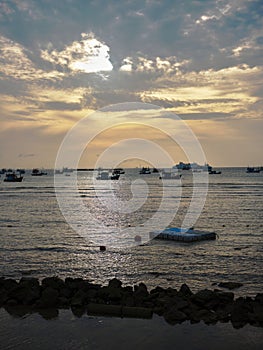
[(118, 171), (106, 175), (12, 177), (145, 171), (253, 170), (37, 172), (169, 175), (214, 172)]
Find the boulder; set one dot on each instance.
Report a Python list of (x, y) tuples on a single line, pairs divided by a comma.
[(48, 299), (79, 299), (205, 298), (53, 282), (185, 290), (29, 282), (115, 283), (230, 285), (174, 315), (9, 284), (25, 293)]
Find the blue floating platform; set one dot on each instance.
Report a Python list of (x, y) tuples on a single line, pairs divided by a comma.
[(183, 235)]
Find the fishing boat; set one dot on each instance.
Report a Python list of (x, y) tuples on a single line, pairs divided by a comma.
[(145, 171), (12, 177), (106, 175), (37, 172), (214, 172), (118, 171), (253, 170)]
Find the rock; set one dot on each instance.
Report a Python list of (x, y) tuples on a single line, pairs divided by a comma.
[(224, 297), (63, 303), (29, 282), (205, 315), (53, 282), (25, 293), (157, 290), (205, 298), (115, 283), (239, 313), (256, 316), (9, 284), (174, 315), (114, 294), (78, 311), (49, 313), (230, 285), (75, 283), (3, 296), (185, 290), (49, 298), (140, 294), (78, 299), (259, 298), (11, 302), (66, 292)]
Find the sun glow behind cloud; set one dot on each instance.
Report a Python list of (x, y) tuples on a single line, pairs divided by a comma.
[(89, 55)]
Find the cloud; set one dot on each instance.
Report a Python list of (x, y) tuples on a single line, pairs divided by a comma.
[(88, 55), (14, 63), (21, 155)]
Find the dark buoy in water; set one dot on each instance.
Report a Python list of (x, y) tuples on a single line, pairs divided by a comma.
[(138, 239), (102, 248)]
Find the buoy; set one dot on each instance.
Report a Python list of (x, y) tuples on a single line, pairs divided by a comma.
[(138, 238)]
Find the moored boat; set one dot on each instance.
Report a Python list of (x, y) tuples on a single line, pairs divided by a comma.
[(106, 175), (169, 175), (145, 171), (253, 170), (37, 172), (12, 177)]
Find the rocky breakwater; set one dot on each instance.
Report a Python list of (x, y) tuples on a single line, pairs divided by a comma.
[(176, 306)]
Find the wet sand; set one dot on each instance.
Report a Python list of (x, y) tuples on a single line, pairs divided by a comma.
[(66, 331)]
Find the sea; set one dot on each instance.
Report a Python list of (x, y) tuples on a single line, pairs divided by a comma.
[(41, 236), (37, 240)]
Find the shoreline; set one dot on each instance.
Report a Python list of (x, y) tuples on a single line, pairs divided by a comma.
[(29, 295)]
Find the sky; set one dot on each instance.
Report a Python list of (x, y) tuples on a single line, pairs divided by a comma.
[(62, 60)]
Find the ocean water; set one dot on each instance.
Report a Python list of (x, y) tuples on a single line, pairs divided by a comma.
[(36, 240)]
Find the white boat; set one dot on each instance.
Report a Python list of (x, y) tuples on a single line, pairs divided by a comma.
[(169, 175)]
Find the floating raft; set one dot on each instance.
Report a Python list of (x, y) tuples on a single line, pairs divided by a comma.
[(183, 235)]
